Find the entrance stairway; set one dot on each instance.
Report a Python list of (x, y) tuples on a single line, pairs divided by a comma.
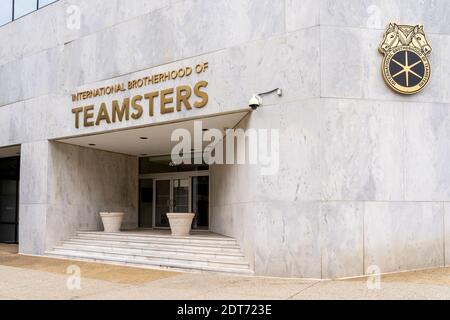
[(210, 252)]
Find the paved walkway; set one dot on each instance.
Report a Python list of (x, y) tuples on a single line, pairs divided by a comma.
[(23, 277)]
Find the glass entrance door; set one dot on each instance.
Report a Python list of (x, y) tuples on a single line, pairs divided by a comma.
[(163, 202), (200, 202), (146, 203), (171, 195), (181, 194)]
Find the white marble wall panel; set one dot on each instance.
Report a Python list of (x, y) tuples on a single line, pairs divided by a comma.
[(263, 63), (17, 118), (232, 184), (64, 220), (302, 14), (444, 70), (362, 155), (190, 29), (310, 239), (427, 153), (29, 35), (48, 27), (29, 119), (298, 125), (447, 233), (77, 54), (10, 78), (378, 13), (84, 182), (30, 77), (33, 173), (5, 131), (341, 62), (232, 201), (288, 239), (96, 16), (33, 227), (64, 187), (33, 197), (342, 239), (237, 220), (404, 236)]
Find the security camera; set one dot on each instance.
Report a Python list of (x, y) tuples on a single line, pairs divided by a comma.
[(255, 102)]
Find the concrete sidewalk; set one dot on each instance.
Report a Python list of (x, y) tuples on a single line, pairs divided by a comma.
[(24, 277)]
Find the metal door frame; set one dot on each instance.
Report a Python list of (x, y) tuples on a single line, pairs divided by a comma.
[(177, 176)]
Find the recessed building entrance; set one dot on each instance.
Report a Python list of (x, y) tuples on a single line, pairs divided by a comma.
[(178, 189), (163, 186), (151, 185)]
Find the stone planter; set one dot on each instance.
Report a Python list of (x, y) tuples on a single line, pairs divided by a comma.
[(112, 221), (180, 223)]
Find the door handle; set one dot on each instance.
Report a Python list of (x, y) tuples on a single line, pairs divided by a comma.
[(170, 204)]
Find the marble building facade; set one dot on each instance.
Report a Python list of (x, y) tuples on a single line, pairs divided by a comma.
[(364, 178)]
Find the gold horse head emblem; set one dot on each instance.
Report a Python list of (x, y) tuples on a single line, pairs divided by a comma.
[(403, 35), (405, 68)]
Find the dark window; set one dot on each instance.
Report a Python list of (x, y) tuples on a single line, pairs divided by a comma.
[(23, 7), (11, 10), (9, 191), (6, 11), (43, 3)]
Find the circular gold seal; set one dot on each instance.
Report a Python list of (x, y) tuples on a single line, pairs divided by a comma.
[(406, 69)]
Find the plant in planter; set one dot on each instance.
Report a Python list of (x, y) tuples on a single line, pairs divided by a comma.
[(180, 223), (112, 221)]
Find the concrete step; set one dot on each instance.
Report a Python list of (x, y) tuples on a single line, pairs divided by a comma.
[(148, 237), (238, 263), (166, 252), (192, 262), (174, 246), (161, 264), (198, 252)]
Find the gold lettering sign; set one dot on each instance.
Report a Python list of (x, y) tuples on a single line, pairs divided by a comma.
[(165, 101)]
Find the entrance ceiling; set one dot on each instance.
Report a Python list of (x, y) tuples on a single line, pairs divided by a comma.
[(10, 152), (157, 138)]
